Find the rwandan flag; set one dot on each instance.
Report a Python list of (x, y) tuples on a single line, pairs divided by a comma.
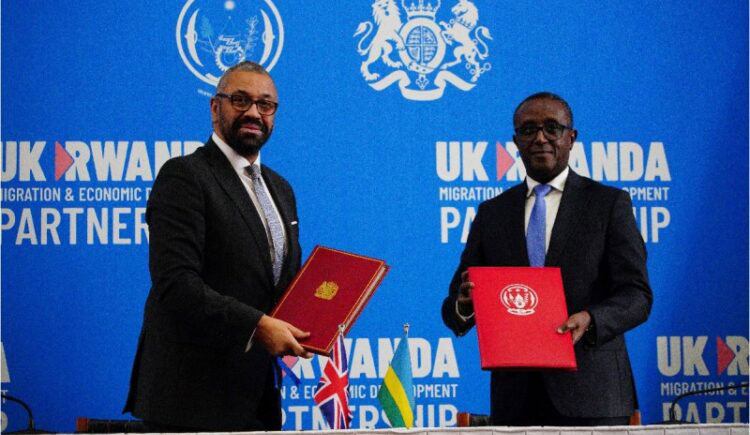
[(396, 395)]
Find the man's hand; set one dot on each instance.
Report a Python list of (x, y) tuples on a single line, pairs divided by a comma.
[(280, 338), (577, 324), (465, 302)]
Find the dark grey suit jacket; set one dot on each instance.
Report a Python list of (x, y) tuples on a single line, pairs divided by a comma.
[(212, 280), (602, 258)]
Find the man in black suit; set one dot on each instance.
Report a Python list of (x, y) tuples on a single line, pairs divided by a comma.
[(223, 247), (588, 231)]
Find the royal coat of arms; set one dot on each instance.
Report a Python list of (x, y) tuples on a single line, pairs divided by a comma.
[(430, 53), (327, 290)]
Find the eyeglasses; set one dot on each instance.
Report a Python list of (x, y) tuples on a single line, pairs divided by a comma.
[(551, 130), (243, 103)]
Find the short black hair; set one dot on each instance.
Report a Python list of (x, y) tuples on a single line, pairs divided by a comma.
[(247, 66), (545, 95)]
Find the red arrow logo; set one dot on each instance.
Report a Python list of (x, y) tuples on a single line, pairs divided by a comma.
[(63, 161), (504, 160), (724, 355)]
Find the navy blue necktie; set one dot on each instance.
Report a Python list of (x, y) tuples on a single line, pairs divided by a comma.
[(536, 233)]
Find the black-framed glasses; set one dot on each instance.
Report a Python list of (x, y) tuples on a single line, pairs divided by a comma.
[(551, 130), (243, 102)]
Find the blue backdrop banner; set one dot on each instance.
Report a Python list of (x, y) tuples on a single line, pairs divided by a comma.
[(390, 149)]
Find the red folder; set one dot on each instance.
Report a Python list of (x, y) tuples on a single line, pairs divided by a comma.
[(518, 310), (330, 290)]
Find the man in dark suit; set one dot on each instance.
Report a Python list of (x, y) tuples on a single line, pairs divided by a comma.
[(223, 247), (588, 231)]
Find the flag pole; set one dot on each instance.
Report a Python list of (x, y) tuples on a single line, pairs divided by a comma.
[(331, 397), (396, 394)]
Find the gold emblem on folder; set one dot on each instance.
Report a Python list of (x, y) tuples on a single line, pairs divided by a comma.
[(327, 290)]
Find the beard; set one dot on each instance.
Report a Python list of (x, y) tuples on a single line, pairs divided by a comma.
[(245, 144)]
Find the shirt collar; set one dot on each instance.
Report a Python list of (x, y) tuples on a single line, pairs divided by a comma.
[(558, 183), (238, 162)]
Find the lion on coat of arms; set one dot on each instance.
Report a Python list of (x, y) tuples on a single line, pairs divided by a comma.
[(459, 30), (388, 20)]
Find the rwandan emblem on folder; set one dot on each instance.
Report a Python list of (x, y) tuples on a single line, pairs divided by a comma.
[(327, 290), (519, 299)]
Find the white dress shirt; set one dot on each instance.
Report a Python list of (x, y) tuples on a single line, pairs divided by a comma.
[(551, 200)]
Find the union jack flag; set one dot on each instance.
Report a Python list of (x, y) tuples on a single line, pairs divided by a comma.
[(331, 396)]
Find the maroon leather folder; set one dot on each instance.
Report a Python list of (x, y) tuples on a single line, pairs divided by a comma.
[(518, 310), (330, 290)]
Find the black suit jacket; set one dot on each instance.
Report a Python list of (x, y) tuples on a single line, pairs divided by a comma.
[(212, 280), (602, 258)]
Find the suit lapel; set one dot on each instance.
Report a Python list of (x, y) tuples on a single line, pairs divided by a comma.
[(516, 230), (232, 185), (283, 206), (573, 200)]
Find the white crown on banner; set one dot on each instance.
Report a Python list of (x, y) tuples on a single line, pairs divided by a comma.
[(421, 9)]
